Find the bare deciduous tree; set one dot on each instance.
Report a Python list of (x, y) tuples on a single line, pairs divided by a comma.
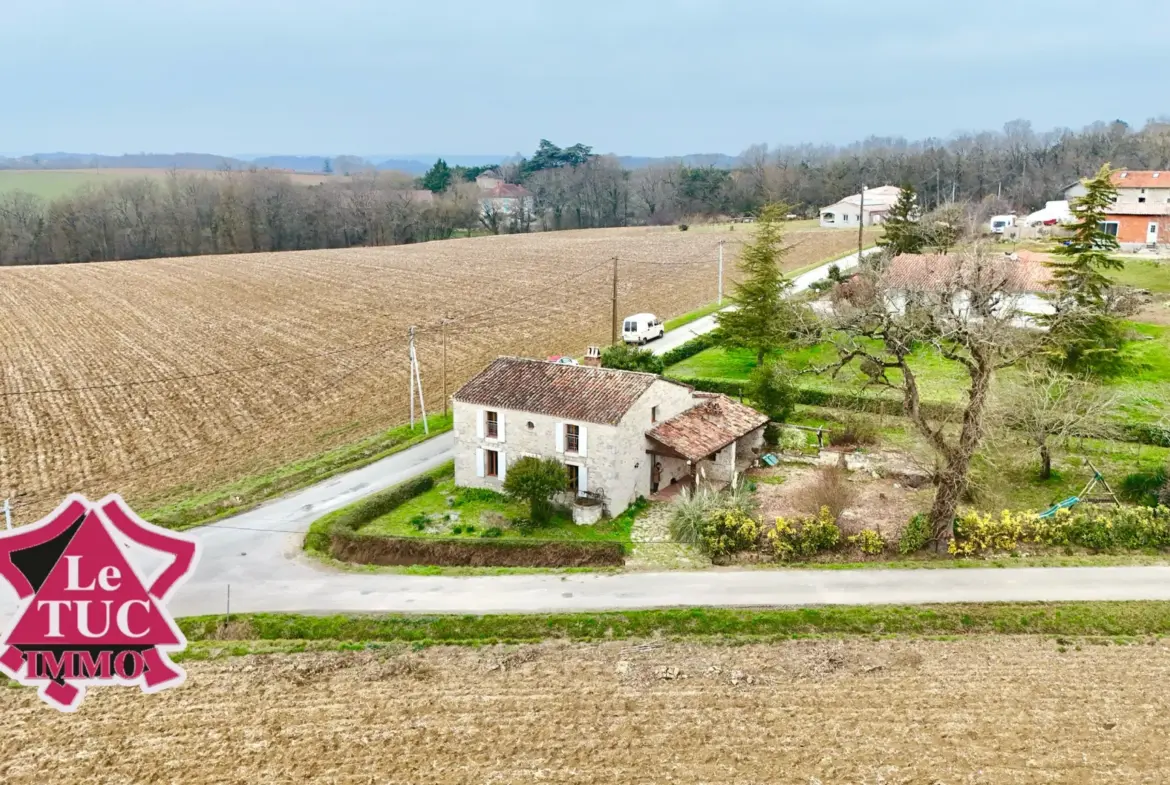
[(1046, 405), (970, 314)]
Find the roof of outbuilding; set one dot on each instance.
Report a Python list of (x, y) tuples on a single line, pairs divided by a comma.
[(707, 427), (575, 392), (940, 272)]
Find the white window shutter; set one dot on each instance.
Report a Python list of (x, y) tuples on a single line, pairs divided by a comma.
[(500, 426), (479, 462), (582, 480), (479, 424), (560, 435), (503, 463), (582, 441)]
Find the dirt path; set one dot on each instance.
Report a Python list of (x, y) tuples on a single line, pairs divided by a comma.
[(994, 710)]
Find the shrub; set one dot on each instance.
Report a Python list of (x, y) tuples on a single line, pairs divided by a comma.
[(469, 529), (870, 542), (494, 531), (977, 532), (692, 347), (683, 227), (772, 433), (523, 525), (419, 522), (916, 536), (729, 531), (854, 432), (689, 513), (457, 530), (792, 439), (731, 387), (467, 495), (535, 480), (630, 358), (772, 390), (801, 538), (830, 490), (1143, 487)]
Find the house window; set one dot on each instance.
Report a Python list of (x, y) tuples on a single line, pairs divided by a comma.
[(1108, 227), (1141, 200), (653, 414), (492, 463), (845, 217), (572, 437), (827, 218), (574, 477), (492, 425)]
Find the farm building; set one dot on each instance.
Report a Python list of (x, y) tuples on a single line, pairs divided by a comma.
[(849, 212), (1140, 218), (620, 434)]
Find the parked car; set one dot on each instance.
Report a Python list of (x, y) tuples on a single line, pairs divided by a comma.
[(642, 327)]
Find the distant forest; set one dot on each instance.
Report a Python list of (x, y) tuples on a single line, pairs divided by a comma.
[(258, 210)]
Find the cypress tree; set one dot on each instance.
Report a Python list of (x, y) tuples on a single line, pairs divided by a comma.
[(901, 231)]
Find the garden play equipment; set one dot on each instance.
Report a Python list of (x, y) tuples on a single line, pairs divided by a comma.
[(1083, 496)]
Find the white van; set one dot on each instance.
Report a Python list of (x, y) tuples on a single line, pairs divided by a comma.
[(1000, 222), (642, 327)]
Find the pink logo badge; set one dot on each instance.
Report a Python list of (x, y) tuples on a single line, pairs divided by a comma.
[(86, 615)]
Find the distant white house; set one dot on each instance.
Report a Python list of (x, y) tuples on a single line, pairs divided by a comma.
[(1053, 214), (849, 212)]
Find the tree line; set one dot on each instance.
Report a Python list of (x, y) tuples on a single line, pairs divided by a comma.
[(571, 187)]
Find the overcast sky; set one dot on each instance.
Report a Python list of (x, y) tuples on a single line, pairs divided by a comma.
[(628, 76)]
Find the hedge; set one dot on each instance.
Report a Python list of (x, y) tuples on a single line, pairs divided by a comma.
[(692, 347), (352, 517), (459, 552), (336, 534)]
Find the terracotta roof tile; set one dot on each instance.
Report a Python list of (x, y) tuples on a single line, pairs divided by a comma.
[(939, 272), (1142, 179), (575, 392), (707, 427), (506, 191)]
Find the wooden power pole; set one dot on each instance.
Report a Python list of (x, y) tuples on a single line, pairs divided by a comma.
[(614, 320), (861, 225)]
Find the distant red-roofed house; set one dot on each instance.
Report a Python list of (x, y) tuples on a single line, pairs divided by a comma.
[(1021, 279), (1140, 218)]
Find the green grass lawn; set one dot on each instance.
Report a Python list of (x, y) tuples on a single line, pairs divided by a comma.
[(440, 518), (49, 184), (1143, 390), (1144, 274)]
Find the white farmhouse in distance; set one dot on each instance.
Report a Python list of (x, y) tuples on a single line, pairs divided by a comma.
[(848, 213)]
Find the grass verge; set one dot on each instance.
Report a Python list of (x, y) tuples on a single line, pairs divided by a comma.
[(1075, 618), (247, 493)]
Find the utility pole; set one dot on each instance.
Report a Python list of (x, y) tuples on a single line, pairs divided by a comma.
[(416, 378), (954, 185), (614, 323), (720, 272), (444, 328), (7, 514), (861, 224)]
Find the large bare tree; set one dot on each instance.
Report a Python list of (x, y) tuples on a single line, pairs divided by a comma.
[(969, 312)]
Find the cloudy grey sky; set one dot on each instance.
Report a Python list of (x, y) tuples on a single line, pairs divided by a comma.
[(627, 76)]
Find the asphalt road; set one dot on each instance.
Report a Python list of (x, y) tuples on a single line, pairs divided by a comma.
[(258, 555)]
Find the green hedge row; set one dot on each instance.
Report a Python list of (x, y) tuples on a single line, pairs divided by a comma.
[(458, 552), (692, 347), (352, 517)]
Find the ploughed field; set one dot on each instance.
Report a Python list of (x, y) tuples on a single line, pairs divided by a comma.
[(164, 377), (977, 710)]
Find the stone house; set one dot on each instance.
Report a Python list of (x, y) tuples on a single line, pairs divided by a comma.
[(608, 427)]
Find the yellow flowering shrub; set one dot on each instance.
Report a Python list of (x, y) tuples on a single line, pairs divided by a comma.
[(801, 538), (870, 542)]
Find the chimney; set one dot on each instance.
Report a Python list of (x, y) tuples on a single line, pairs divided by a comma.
[(593, 357)]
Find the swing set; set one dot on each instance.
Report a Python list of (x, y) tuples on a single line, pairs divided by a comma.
[(1083, 496)]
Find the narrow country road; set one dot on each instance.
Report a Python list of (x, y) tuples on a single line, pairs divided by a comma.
[(257, 554)]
